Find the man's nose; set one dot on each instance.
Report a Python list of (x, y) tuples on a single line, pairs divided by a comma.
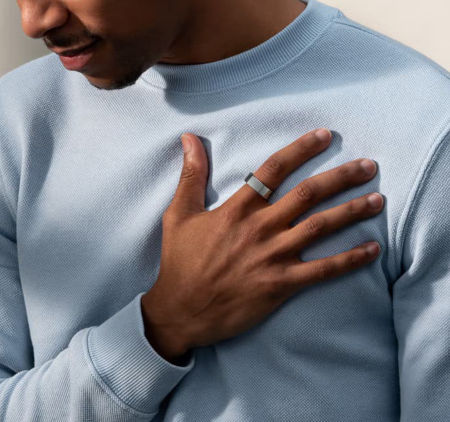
[(40, 16)]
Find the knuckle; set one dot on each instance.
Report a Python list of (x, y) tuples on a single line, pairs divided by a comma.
[(251, 232), (356, 207), (188, 173), (305, 192), (274, 291), (228, 216), (314, 225), (307, 145), (272, 166), (346, 172), (353, 259), (324, 270), (244, 234), (277, 249), (262, 221)]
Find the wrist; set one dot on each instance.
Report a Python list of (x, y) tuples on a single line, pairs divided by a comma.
[(168, 350), (167, 342)]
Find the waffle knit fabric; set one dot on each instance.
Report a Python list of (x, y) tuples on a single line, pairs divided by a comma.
[(86, 174)]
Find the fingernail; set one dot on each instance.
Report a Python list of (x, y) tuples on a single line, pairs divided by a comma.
[(323, 135), (375, 200), (373, 248), (186, 142), (369, 166)]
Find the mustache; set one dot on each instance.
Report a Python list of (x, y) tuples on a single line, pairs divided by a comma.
[(69, 40)]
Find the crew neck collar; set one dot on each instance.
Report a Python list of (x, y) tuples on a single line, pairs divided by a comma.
[(251, 64)]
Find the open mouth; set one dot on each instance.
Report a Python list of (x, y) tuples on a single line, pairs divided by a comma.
[(76, 52), (78, 59)]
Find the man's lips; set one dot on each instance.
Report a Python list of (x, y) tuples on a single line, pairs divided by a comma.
[(73, 52), (79, 61)]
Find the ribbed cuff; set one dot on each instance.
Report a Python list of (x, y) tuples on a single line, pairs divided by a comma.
[(128, 364)]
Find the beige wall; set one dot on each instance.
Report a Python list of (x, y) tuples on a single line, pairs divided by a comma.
[(15, 47), (421, 25)]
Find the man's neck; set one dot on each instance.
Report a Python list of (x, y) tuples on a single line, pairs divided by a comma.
[(216, 30)]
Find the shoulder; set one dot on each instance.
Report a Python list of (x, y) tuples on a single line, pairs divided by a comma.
[(381, 46), (408, 95), (32, 98), (32, 92), (32, 84), (394, 83), (386, 68), (36, 72)]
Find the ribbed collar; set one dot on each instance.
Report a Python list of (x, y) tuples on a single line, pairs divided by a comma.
[(251, 64)]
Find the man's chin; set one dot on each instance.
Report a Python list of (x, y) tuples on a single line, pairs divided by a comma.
[(112, 84)]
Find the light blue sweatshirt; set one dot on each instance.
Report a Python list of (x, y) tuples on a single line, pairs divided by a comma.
[(86, 175)]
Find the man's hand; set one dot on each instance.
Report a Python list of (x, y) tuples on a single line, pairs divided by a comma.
[(223, 271)]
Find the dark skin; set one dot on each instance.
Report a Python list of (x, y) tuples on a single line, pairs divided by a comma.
[(242, 262), (136, 34)]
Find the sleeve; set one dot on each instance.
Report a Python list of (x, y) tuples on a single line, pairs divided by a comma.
[(421, 295), (108, 372)]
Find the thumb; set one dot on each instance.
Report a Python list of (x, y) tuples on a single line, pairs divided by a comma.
[(190, 194)]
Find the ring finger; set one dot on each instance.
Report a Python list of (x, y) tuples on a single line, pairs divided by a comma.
[(291, 241)]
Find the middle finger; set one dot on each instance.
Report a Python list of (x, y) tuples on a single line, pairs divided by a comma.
[(313, 190)]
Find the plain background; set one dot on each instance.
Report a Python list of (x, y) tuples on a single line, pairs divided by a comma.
[(421, 25)]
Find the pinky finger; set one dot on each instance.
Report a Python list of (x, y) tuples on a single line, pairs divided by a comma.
[(304, 274)]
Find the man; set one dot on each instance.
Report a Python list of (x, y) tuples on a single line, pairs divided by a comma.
[(88, 170)]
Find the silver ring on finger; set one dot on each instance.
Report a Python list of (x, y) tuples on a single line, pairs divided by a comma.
[(258, 186)]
